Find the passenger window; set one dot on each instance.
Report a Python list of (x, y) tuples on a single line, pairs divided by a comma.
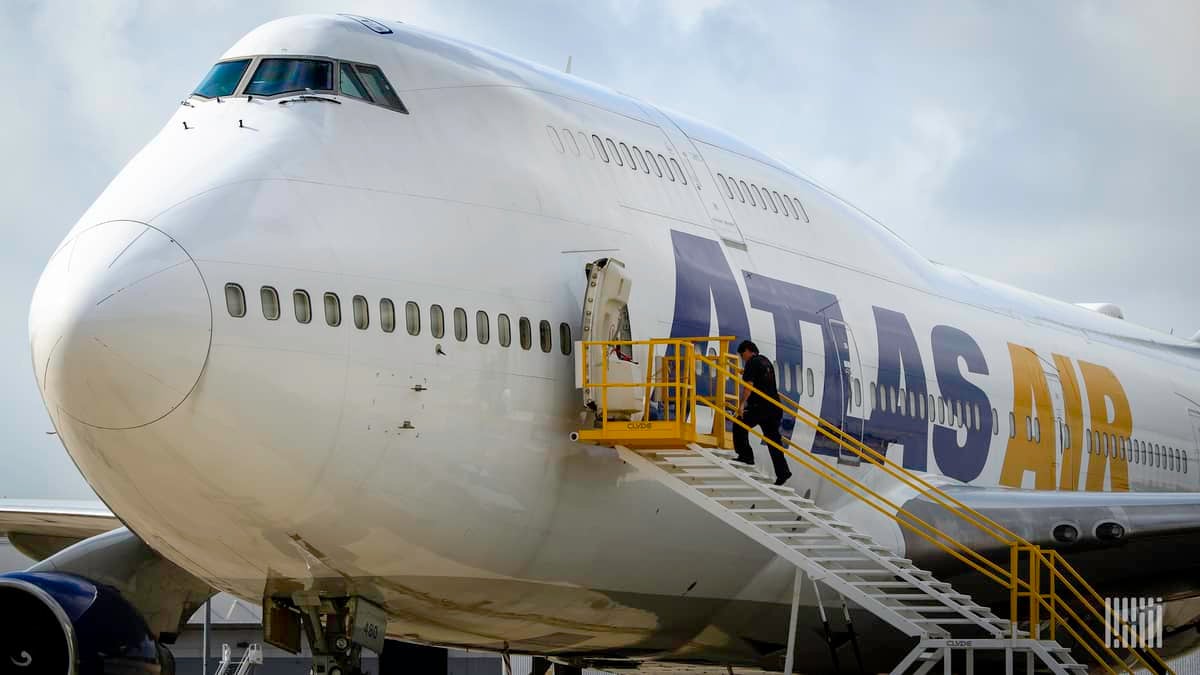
[(302, 306), (666, 167), (349, 83), (1185, 461), (235, 300), (783, 204), (1066, 436), (857, 392), (283, 76), (584, 145), (412, 317), (682, 175), (378, 87), (650, 162), (600, 148), (978, 424), (788, 208), (483, 329), (387, 315), (995, 422), (544, 335), (800, 209), (638, 154), (811, 386), (746, 189), (565, 343), (361, 317), (333, 310), (526, 333), (437, 321), (222, 79), (460, 324), (1028, 428), (631, 157), (554, 139), (1037, 431), (616, 154), (270, 303), (505, 330), (571, 142)]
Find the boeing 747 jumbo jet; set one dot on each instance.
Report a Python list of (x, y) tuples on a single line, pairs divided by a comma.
[(319, 346)]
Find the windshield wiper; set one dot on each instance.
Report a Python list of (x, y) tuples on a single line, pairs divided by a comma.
[(308, 97)]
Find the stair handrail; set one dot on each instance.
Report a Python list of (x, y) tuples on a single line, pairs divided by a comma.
[(1014, 581)]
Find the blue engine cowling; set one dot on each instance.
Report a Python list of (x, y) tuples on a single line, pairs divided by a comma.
[(64, 624)]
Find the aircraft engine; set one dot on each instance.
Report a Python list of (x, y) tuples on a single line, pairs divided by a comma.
[(64, 624)]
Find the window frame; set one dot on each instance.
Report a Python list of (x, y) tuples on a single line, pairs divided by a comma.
[(437, 321), (297, 294), (263, 292), (667, 167), (600, 146), (337, 306), (334, 70), (525, 330), (682, 175), (383, 314), (402, 108), (356, 303), (545, 336), (483, 327), (651, 162), (462, 331), (555, 139), (412, 318), (565, 339), (241, 295), (250, 62), (504, 330), (612, 147)]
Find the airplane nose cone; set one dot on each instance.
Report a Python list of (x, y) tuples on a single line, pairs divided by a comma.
[(120, 326)]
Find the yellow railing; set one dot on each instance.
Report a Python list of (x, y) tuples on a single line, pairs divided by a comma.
[(1049, 591)]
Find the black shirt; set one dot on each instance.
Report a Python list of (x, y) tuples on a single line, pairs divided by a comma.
[(760, 373)]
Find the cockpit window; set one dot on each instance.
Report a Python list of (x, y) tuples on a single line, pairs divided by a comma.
[(223, 79), (350, 83), (280, 76), (378, 87)]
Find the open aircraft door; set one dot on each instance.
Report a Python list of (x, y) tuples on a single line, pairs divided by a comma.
[(606, 317)]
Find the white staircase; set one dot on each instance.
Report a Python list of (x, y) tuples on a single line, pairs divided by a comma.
[(849, 562)]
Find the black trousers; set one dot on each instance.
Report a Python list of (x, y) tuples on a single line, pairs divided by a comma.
[(768, 420)]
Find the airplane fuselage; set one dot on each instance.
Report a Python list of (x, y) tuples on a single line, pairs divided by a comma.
[(432, 469)]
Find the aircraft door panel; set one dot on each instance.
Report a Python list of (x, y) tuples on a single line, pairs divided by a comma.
[(853, 410)]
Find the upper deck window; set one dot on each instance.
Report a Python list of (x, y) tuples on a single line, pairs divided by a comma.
[(280, 76), (223, 79)]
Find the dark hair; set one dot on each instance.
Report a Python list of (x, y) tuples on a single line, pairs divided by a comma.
[(747, 345)]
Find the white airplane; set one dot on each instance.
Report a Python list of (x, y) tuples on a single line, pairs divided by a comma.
[(317, 342)]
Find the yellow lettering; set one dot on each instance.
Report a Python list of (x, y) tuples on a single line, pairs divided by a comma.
[(1103, 389), (1031, 398), (1072, 461)]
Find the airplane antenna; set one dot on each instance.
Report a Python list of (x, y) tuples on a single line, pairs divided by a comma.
[(568, 68)]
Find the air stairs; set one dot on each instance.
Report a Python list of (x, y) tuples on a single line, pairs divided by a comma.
[(666, 439), (839, 556)]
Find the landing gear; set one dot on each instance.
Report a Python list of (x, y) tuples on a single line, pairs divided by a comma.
[(337, 629)]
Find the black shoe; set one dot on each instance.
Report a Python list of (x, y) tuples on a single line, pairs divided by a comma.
[(783, 479), (743, 460)]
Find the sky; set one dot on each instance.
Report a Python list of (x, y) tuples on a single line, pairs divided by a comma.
[(1053, 146)]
